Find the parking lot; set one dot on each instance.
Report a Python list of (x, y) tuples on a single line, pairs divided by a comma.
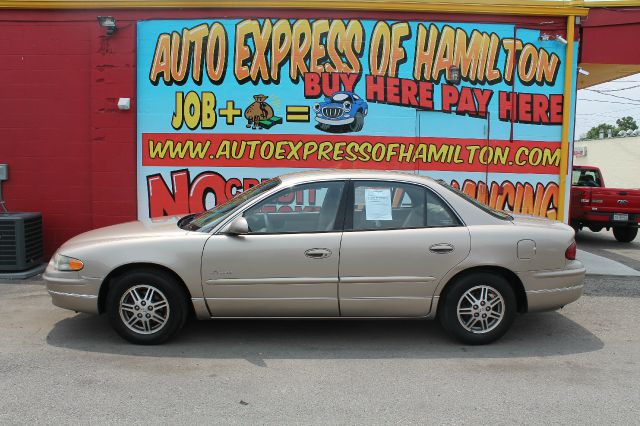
[(578, 365)]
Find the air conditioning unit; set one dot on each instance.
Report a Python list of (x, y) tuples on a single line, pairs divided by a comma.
[(20, 241)]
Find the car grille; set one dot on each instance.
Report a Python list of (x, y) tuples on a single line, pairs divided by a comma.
[(332, 112)]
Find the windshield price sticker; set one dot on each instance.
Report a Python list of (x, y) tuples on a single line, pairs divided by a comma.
[(378, 204)]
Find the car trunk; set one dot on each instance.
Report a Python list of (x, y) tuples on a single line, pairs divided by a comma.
[(617, 201)]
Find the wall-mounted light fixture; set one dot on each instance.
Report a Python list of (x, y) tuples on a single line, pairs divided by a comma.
[(108, 23), (454, 75), (550, 37)]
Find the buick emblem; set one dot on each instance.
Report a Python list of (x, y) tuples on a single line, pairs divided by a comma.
[(623, 202)]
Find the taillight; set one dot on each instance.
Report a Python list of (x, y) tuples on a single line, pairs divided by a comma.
[(570, 253), (585, 197)]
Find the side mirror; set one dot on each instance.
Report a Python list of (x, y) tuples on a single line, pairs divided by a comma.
[(238, 227)]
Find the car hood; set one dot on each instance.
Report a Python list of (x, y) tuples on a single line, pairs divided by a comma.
[(148, 228)]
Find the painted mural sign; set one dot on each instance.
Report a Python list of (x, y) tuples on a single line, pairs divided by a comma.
[(224, 104)]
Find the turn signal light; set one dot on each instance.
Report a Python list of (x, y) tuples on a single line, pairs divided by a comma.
[(570, 253), (66, 263), (75, 264)]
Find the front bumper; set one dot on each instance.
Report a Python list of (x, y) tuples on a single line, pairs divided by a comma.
[(334, 122), (550, 290), (71, 290)]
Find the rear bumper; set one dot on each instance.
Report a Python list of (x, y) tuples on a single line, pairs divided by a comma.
[(550, 290), (606, 219), (70, 290)]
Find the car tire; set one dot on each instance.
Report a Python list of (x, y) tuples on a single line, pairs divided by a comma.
[(358, 122), (625, 234), (463, 319), (147, 307)]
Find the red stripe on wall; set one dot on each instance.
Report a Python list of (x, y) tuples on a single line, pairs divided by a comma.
[(349, 151)]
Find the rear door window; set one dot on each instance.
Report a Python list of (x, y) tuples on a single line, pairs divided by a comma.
[(378, 205)]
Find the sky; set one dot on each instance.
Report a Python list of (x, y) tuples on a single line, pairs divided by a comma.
[(607, 102)]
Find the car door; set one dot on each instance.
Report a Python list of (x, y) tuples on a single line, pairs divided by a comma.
[(287, 265), (400, 239)]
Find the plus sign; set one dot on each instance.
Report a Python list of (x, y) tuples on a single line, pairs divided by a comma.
[(231, 112)]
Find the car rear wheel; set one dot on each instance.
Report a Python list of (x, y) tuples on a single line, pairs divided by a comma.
[(478, 308), (625, 234), (146, 307)]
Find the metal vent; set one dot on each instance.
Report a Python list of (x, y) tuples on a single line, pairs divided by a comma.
[(21, 245), (8, 248), (33, 239)]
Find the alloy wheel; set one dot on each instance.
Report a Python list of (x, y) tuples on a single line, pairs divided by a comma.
[(480, 309), (144, 309)]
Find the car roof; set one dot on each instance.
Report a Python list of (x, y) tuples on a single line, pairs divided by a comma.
[(326, 174)]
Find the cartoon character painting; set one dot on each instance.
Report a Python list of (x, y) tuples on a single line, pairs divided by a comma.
[(342, 112)]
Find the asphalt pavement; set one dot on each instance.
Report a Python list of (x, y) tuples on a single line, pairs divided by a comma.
[(604, 244), (578, 365)]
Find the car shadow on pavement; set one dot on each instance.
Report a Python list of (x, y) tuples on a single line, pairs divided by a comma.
[(532, 335)]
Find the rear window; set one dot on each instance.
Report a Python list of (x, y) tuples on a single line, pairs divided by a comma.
[(500, 214), (584, 177)]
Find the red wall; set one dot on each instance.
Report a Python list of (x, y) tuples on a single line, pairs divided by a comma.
[(71, 152)]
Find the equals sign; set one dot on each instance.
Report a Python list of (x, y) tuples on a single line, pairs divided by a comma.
[(298, 113)]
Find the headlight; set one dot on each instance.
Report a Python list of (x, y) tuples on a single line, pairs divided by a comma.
[(316, 107), (66, 263), (346, 106)]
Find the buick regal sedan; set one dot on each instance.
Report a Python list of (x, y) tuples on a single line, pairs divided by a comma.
[(323, 244)]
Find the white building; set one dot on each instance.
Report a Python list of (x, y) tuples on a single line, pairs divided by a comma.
[(618, 158)]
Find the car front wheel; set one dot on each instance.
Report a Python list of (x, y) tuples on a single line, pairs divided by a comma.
[(478, 308), (358, 122), (146, 307)]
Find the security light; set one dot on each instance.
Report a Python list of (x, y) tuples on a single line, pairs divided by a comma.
[(109, 23), (454, 75)]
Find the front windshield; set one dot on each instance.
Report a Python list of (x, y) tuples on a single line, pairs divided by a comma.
[(340, 97), (213, 216), (493, 212)]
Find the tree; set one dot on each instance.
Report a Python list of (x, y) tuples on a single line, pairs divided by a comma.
[(626, 123), (594, 132)]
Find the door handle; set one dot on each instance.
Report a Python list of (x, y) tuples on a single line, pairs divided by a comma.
[(441, 248), (318, 253)]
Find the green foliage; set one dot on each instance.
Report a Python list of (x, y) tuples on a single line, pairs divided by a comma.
[(626, 123), (594, 132)]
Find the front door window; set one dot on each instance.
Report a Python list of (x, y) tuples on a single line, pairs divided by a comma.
[(300, 209)]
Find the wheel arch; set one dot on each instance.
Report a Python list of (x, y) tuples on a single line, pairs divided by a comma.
[(507, 274), (129, 267)]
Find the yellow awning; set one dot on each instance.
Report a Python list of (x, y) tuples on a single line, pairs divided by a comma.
[(495, 7)]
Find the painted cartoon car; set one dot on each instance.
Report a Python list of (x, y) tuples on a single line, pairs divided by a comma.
[(343, 111)]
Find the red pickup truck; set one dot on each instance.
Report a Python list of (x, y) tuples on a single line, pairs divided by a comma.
[(597, 207)]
